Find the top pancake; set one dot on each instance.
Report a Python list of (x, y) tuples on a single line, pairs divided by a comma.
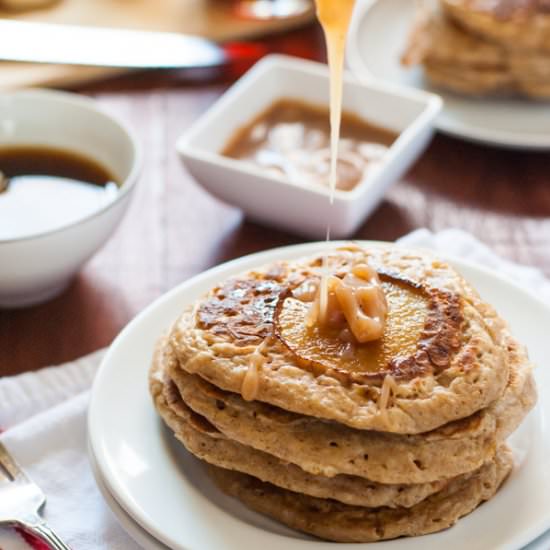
[(514, 24), (452, 366)]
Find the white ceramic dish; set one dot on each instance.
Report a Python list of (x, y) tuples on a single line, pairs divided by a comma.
[(276, 200), (36, 267), (377, 37), (148, 542), (167, 493), (140, 536)]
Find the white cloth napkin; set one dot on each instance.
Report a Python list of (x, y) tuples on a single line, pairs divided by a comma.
[(44, 415), (51, 447)]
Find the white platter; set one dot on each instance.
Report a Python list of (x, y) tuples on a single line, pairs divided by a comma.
[(137, 533), (163, 489), (376, 41)]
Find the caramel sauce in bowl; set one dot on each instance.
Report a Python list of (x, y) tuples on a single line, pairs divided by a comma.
[(274, 199), (291, 139)]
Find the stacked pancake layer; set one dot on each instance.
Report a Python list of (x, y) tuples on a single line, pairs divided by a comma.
[(479, 47), (325, 444)]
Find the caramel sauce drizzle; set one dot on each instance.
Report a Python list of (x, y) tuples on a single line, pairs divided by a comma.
[(335, 17), (357, 300), (389, 387), (251, 381), (359, 297)]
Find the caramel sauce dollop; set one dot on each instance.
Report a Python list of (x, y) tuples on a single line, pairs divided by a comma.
[(356, 304)]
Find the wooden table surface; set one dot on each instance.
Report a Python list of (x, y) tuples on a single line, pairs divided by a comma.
[(174, 230)]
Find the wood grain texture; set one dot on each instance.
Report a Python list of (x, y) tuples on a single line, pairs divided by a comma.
[(174, 229)]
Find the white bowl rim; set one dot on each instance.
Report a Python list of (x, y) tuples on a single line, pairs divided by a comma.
[(432, 104), (90, 105)]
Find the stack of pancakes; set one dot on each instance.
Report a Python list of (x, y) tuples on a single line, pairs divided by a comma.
[(347, 441), (484, 47)]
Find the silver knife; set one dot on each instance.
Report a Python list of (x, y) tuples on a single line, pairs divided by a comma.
[(104, 47)]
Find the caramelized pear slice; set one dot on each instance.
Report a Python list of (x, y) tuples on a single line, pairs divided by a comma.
[(322, 348)]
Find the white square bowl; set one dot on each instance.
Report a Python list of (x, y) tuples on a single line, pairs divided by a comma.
[(277, 201)]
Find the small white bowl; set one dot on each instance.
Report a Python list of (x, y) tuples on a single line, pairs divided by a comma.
[(37, 267), (276, 200)]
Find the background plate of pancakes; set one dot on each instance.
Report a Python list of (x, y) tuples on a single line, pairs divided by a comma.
[(158, 487), (378, 39)]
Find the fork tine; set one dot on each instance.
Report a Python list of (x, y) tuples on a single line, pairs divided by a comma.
[(8, 464)]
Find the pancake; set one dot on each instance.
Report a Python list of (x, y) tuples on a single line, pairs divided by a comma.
[(204, 441), (335, 521), (440, 359), (514, 24), (455, 59), (436, 39), (536, 89), (342, 438), (468, 81), (328, 449)]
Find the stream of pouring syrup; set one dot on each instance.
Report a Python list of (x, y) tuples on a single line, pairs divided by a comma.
[(335, 17)]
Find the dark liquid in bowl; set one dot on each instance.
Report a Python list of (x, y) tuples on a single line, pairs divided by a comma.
[(43, 189)]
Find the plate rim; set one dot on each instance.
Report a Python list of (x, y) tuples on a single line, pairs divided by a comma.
[(234, 266), (475, 134), (126, 522)]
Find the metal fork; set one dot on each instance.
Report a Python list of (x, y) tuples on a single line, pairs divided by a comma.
[(21, 501)]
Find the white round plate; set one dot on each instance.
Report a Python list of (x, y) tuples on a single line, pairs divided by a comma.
[(376, 40), (142, 537), (165, 490)]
